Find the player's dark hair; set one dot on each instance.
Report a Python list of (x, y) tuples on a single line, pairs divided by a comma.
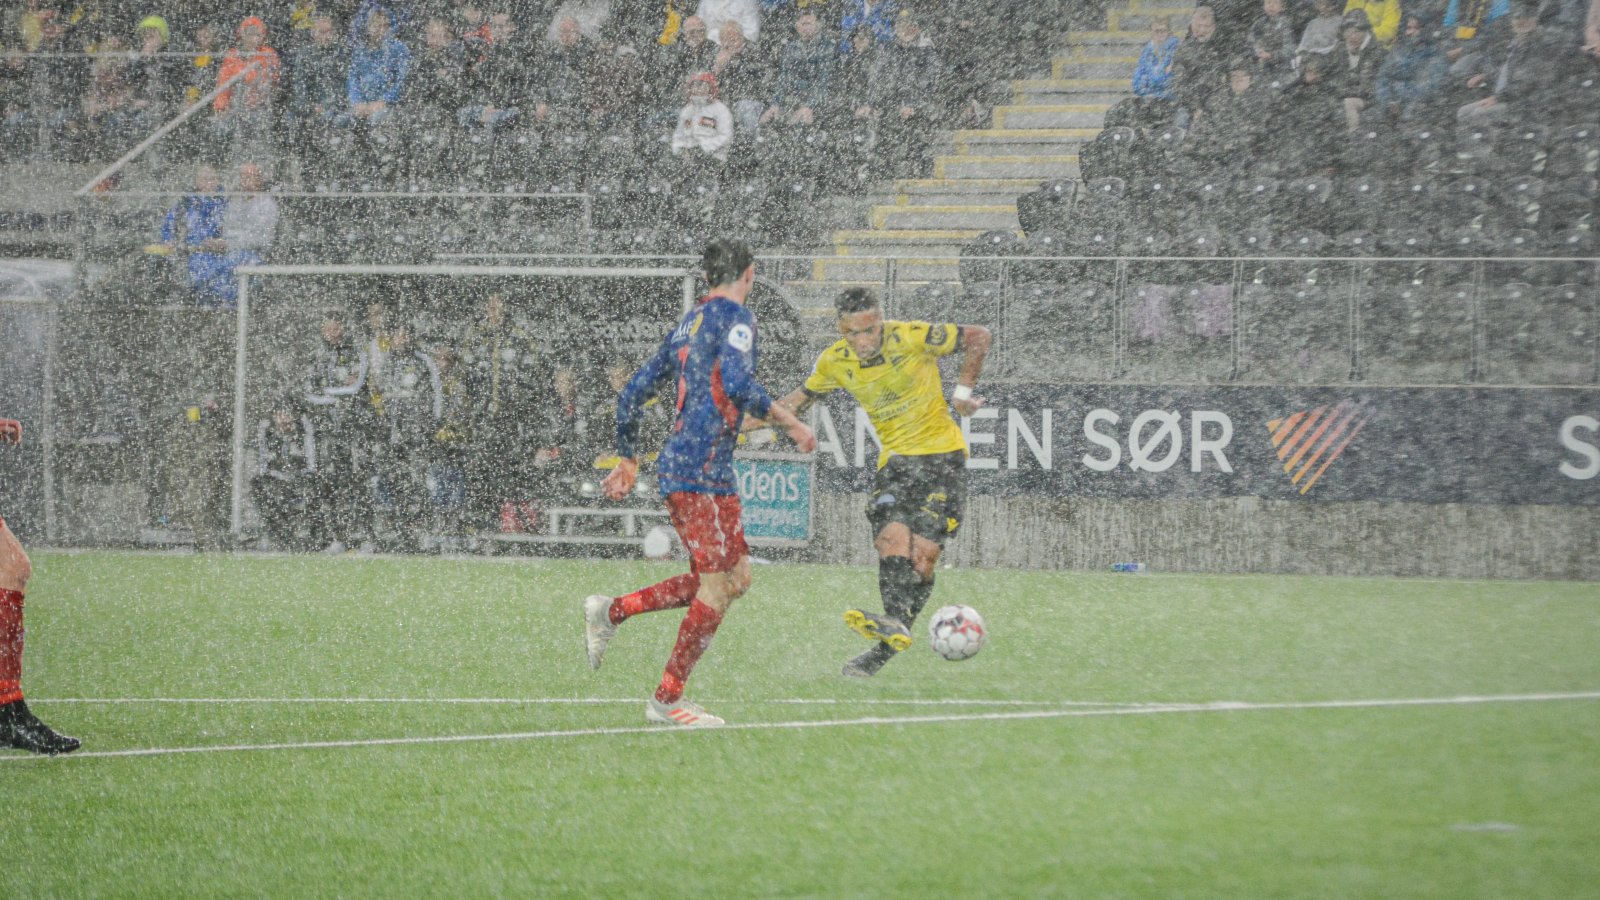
[(726, 259), (855, 300)]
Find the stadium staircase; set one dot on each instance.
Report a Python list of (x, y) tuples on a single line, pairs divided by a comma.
[(978, 174)]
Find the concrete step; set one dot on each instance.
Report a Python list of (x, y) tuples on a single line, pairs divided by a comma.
[(1085, 118), (1138, 20), (960, 217), (1039, 168), (1098, 68), (1059, 91), (955, 192), (928, 243), (1121, 40), (1021, 141), (874, 273)]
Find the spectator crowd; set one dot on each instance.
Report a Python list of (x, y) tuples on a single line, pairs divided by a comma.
[(409, 430), (686, 85), (1243, 75)]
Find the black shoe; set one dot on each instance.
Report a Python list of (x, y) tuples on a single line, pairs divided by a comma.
[(21, 729), (867, 664), (874, 627)]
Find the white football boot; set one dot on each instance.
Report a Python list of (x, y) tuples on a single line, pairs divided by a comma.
[(683, 714), (597, 628)]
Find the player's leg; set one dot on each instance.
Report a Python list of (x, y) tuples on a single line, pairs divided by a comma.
[(602, 614), (937, 520), (887, 512), (914, 512), (710, 528), (19, 728)]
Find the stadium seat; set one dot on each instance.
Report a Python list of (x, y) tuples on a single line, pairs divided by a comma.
[(1199, 240), (1371, 152), (982, 302), (1047, 245), (1146, 243), (742, 206), (1415, 333), (1303, 243), (1057, 331), (811, 153), (1209, 196), (934, 302), (1523, 150), (1252, 242), (1156, 202), (1465, 201), (1568, 203), (1575, 152), (386, 153), (1252, 197), (615, 153), (1421, 150), (999, 242), (1474, 150), (1109, 155), (1303, 202), (1356, 242), (608, 200), (1412, 199), (1093, 239), (1520, 203), (1580, 245), (517, 159), (1467, 241), (853, 171), (1159, 154), (427, 150), (788, 212), (1102, 205), (1297, 334), (1410, 241), (1358, 203), (1149, 311), (1048, 207)]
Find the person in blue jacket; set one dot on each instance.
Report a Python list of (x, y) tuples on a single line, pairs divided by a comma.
[(378, 69), (1152, 79)]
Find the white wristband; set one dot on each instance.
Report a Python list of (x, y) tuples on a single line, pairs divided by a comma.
[(962, 392)]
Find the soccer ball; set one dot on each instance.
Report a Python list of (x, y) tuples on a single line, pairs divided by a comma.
[(956, 632)]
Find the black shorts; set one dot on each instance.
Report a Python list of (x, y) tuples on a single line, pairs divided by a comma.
[(927, 494)]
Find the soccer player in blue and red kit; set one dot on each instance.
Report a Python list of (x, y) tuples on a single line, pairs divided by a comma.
[(711, 356), (19, 727)]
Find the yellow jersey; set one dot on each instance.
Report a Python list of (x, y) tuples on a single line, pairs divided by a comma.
[(900, 389)]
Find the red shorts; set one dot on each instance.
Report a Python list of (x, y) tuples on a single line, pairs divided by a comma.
[(709, 526)]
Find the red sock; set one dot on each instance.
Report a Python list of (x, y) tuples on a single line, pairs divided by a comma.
[(10, 646), (694, 636), (674, 593)]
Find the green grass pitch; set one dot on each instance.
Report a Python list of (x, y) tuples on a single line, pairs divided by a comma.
[(1082, 753)]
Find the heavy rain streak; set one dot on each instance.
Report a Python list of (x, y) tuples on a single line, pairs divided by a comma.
[(530, 447)]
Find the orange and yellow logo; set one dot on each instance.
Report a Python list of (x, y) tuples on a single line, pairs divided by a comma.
[(1309, 442)]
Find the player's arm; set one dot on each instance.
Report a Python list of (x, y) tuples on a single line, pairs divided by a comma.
[(739, 380), (975, 341), (10, 431), (630, 404), (820, 383)]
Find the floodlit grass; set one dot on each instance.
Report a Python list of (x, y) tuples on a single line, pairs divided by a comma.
[(1484, 799)]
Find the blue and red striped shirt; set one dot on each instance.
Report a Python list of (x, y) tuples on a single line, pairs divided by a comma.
[(712, 355)]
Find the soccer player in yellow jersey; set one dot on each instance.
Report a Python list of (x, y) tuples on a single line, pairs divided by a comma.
[(892, 369)]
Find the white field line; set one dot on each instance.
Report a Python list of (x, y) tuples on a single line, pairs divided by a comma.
[(1218, 706), (574, 701)]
